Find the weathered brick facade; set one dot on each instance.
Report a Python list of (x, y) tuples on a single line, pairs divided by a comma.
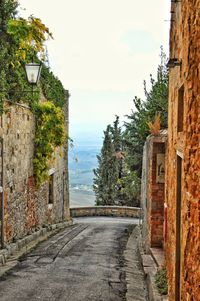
[(25, 208), (152, 191), (183, 161)]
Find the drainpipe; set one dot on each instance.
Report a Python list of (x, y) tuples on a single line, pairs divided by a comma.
[(63, 197), (2, 193)]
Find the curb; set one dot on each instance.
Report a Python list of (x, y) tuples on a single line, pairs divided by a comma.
[(152, 290), (135, 277), (150, 267), (22, 246)]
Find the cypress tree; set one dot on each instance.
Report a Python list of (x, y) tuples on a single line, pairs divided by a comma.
[(106, 174)]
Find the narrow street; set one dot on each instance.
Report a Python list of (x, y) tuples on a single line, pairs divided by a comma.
[(83, 262)]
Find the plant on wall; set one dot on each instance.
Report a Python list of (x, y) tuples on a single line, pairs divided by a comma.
[(22, 40), (52, 87), (29, 37), (50, 133)]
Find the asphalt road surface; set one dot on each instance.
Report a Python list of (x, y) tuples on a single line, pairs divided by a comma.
[(83, 262)]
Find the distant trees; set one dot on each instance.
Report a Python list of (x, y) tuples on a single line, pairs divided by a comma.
[(109, 166), (117, 177)]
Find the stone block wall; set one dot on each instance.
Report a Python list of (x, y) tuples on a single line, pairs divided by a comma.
[(152, 191), (25, 208), (183, 158), (116, 211)]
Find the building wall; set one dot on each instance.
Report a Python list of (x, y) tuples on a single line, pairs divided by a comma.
[(25, 208), (183, 202), (152, 191)]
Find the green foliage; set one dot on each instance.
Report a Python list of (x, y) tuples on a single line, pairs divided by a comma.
[(161, 281), (114, 184), (8, 10), (21, 41), (52, 87), (130, 189), (50, 133), (29, 36), (106, 175), (117, 178), (137, 129)]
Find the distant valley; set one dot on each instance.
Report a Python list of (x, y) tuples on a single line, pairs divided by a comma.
[(82, 161)]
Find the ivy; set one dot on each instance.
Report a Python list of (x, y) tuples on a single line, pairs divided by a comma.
[(52, 87), (22, 40), (50, 133), (29, 36)]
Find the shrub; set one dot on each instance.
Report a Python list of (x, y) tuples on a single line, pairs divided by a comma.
[(161, 281)]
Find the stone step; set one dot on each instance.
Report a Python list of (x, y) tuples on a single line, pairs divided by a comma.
[(148, 263), (158, 256)]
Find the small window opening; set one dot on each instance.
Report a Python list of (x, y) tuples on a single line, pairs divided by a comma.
[(180, 109), (51, 191)]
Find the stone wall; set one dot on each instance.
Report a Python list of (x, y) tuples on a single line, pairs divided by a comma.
[(183, 163), (25, 208), (152, 191), (106, 211)]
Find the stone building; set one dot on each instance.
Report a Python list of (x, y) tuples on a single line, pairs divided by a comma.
[(183, 156), (24, 209), (153, 191)]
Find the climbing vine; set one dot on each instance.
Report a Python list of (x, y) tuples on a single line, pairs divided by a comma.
[(52, 87), (22, 40), (50, 133), (29, 37)]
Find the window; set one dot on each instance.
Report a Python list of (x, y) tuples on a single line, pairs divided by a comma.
[(51, 190), (180, 113)]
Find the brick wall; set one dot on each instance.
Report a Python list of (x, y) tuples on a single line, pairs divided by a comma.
[(183, 163), (157, 200), (25, 208), (152, 191)]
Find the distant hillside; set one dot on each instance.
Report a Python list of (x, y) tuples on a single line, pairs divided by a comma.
[(82, 161)]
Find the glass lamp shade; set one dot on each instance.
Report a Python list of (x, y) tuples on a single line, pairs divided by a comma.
[(33, 72)]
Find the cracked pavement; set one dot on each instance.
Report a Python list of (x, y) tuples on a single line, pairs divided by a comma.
[(81, 263)]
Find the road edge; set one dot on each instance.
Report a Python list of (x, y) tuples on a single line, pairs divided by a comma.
[(10, 254), (135, 277)]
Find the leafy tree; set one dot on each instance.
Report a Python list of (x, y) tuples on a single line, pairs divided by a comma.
[(119, 174), (137, 128), (114, 184), (130, 188)]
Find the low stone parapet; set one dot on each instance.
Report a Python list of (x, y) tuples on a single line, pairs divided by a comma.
[(116, 211)]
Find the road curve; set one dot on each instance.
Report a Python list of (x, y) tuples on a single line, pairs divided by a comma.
[(83, 262)]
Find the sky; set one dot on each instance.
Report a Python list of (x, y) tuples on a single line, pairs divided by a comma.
[(102, 51)]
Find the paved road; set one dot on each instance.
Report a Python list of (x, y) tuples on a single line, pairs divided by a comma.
[(82, 263)]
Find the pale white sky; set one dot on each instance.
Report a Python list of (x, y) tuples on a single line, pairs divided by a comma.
[(102, 51)]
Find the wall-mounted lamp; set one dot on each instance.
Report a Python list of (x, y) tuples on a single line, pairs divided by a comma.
[(33, 71)]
